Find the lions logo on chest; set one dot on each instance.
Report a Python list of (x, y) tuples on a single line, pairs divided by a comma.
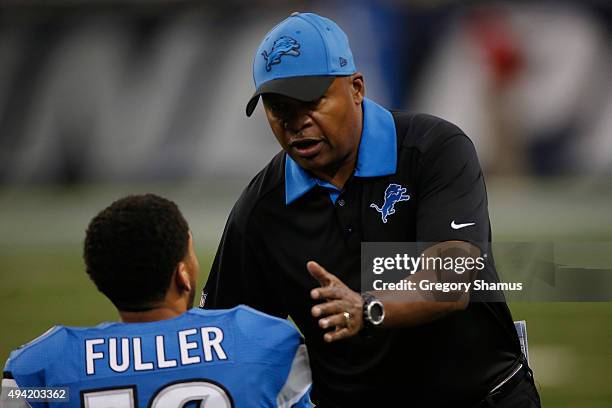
[(393, 194)]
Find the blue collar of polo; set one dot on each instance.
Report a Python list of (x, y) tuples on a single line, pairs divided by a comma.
[(377, 154)]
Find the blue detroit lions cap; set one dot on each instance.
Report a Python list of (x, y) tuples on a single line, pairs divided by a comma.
[(300, 58)]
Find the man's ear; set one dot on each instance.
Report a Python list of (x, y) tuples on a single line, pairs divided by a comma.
[(183, 280), (357, 87)]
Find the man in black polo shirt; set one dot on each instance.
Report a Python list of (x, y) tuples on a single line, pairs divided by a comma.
[(352, 172)]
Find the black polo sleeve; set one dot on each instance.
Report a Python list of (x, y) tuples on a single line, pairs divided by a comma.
[(239, 274), (452, 202)]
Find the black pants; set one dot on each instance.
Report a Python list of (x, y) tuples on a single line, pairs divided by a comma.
[(519, 394)]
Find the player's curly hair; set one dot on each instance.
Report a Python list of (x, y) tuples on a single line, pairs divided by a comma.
[(132, 249)]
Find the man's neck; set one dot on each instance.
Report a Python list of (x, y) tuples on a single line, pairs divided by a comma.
[(339, 175), (152, 315)]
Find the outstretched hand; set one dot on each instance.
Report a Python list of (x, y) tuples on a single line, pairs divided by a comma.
[(342, 308)]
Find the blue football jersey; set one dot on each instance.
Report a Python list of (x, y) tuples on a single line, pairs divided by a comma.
[(204, 358)]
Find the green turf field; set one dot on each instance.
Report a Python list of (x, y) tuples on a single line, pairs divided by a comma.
[(42, 281)]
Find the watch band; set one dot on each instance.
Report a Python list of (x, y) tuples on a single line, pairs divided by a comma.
[(368, 325)]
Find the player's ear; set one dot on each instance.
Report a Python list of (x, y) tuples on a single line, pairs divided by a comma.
[(183, 280), (357, 87)]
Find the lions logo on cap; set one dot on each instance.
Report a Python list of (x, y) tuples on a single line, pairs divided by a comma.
[(393, 194), (283, 46)]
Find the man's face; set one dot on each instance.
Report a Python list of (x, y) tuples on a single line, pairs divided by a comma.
[(320, 135)]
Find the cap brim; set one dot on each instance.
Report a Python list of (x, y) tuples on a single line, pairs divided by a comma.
[(306, 88)]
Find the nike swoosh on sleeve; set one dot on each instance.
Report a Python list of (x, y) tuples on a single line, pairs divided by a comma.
[(459, 226)]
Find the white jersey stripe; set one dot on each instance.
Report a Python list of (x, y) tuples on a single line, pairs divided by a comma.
[(298, 381)]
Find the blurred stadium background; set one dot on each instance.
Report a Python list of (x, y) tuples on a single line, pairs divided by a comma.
[(99, 99)]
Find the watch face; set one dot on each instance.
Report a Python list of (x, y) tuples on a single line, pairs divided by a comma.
[(376, 312)]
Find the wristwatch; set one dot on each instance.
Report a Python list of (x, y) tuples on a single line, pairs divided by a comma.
[(373, 312)]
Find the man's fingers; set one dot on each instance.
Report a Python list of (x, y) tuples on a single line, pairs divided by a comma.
[(319, 273), (325, 280), (337, 320), (337, 335), (328, 308), (327, 292)]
